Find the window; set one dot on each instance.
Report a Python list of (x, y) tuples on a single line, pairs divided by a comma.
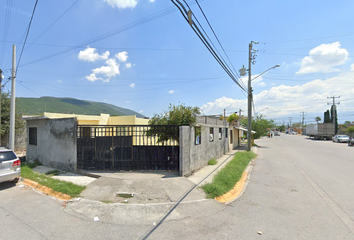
[(211, 135), (32, 138), (226, 132), (85, 132), (231, 137), (198, 135), (220, 133)]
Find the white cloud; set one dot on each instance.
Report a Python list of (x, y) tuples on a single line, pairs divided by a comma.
[(59, 81), (90, 54), (122, 56), (128, 65), (108, 71), (141, 111), (121, 4), (151, 1), (171, 91), (324, 58), (132, 85), (285, 101)]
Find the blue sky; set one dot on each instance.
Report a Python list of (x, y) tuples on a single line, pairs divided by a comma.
[(142, 54)]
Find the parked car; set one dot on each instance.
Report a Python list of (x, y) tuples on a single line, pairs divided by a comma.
[(276, 133), (351, 142), (10, 165), (340, 138)]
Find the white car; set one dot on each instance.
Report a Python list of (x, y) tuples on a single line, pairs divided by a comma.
[(10, 165), (340, 138)]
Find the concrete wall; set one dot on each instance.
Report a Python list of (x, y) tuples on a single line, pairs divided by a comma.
[(194, 157), (56, 143)]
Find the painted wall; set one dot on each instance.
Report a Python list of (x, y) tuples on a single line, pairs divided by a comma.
[(192, 156), (56, 143)]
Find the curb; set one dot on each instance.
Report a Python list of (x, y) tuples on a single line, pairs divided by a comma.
[(240, 186), (46, 190)]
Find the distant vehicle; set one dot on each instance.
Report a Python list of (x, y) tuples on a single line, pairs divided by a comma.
[(276, 133), (10, 165), (340, 138), (351, 142), (320, 130), (293, 133)]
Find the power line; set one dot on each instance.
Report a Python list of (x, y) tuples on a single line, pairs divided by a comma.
[(24, 43), (53, 23), (187, 16)]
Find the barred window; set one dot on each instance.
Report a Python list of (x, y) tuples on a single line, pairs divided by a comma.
[(211, 134), (32, 138)]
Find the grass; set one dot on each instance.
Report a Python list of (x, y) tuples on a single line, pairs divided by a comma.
[(124, 195), (226, 179), (107, 201), (53, 172), (68, 188), (212, 162)]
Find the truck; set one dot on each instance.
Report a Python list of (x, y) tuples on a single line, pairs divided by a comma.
[(323, 131)]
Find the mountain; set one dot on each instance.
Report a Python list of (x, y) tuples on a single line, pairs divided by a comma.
[(36, 106)]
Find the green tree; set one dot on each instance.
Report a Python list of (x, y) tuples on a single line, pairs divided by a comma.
[(180, 115), (260, 125), (334, 113), (318, 119), (233, 118), (327, 118), (350, 131), (5, 116)]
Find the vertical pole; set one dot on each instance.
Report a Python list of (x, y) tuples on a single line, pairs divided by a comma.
[(239, 118), (13, 95), (249, 125)]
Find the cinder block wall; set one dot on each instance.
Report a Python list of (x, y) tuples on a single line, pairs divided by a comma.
[(56, 143), (194, 157)]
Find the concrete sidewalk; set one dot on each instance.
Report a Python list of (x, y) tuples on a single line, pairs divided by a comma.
[(142, 198)]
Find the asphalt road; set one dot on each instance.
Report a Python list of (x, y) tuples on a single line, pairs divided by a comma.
[(299, 189)]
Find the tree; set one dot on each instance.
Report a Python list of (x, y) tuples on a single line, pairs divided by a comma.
[(318, 119), (180, 115), (350, 131), (233, 118), (327, 117), (334, 113), (5, 116), (260, 126)]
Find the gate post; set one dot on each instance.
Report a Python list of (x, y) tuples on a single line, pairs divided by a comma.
[(184, 150)]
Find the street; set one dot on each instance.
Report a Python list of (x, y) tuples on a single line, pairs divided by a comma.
[(299, 189)]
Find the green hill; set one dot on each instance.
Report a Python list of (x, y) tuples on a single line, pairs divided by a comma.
[(36, 106)]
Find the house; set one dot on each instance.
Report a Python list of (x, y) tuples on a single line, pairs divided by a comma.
[(80, 142)]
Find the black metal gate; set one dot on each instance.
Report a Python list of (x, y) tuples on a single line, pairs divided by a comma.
[(128, 147)]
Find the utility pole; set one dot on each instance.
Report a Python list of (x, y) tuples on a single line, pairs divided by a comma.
[(250, 62), (12, 108), (334, 111), (303, 119), (290, 121), (239, 117)]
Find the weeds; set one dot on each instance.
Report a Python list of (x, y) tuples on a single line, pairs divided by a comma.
[(68, 188), (212, 162), (226, 179)]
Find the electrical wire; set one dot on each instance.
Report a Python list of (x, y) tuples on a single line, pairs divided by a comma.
[(24, 43), (6, 29), (206, 43), (52, 24)]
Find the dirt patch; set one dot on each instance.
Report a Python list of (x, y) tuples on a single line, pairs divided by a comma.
[(46, 190)]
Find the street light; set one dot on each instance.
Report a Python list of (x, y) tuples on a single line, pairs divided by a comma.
[(243, 73)]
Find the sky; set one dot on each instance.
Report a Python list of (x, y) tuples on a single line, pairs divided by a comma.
[(143, 55)]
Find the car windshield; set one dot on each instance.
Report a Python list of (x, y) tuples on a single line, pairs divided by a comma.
[(5, 156), (343, 136)]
